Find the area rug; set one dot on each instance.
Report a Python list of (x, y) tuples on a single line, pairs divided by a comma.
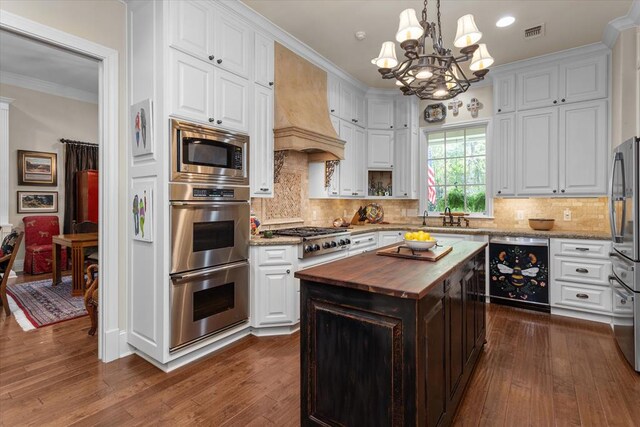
[(41, 304)]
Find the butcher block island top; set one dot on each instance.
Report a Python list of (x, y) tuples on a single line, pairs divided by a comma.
[(402, 278)]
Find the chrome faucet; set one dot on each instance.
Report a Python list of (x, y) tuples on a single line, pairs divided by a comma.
[(425, 214)]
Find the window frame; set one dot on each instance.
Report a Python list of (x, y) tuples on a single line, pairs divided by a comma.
[(424, 135)]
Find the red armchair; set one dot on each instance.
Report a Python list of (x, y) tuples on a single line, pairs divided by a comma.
[(38, 233)]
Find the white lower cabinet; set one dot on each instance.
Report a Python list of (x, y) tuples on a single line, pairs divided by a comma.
[(579, 285), (389, 237), (275, 295), (362, 243)]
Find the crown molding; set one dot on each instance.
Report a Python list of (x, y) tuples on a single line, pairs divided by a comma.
[(5, 102), (616, 26), (48, 87)]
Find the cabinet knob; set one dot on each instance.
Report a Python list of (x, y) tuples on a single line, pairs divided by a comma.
[(562, 191), (219, 122), (353, 120), (405, 125), (288, 271), (211, 120), (582, 296), (499, 191), (391, 127), (563, 99), (270, 83), (211, 57), (499, 110), (555, 191), (555, 101), (333, 111), (219, 61), (356, 120), (391, 166), (405, 194)]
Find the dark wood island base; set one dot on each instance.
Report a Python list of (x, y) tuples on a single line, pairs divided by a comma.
[(388, 341)]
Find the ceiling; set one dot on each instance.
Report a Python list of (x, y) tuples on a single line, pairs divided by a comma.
[(24, 57), (329, 26)]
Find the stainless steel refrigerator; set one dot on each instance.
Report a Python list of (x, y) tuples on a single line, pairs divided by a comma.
[(624, 213)]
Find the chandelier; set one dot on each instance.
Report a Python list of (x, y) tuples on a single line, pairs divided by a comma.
[(433, 75)]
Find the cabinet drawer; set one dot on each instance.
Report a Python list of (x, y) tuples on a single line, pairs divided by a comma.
[(582, 271), (581, 248), (593, 298), (276, 255), (364, 241)]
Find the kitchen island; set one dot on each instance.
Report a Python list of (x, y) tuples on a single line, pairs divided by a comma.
[(389, 341)]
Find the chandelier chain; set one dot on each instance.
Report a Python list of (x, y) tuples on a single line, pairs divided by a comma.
[(439, 27), (424, 12)]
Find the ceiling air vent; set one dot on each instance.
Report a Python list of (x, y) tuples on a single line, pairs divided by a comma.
[(534, 32)]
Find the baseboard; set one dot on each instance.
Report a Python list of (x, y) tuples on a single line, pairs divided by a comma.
[(111, 345), (124, 348), (275, 330), (576, 314)]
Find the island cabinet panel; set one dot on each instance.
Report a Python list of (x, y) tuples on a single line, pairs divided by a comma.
[(383, 359)]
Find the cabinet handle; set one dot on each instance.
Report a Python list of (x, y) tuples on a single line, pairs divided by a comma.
[(555, 101), (405, 194), (582, 270), (264, 189), (582, 249), (333, 111), (356, 120), (353, 120), (219, 61), (370, 239), (211, 57), (555, 191), (288, 271), (270, 83), (499, 191), (211, 120), (219, 122), (582, 296), (563, 99), (562, 191), (499, 110)]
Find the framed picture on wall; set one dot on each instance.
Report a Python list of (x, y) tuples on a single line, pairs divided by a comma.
[(142, 128), (142, 211), (37, 168), (37, 201)]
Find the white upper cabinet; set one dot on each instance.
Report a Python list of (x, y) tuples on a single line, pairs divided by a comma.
[(380, 149), (261, 149), (537, 147), (380, 113), (263, 58), (231, 101), (401, 114), (504, 94), (583, 148), (504, 154), (359, 170), (402, 170), (333, 94), (347, 166), (347, 104), (191, 29), (233, 42), (583, 79), (538, 88), (360, 106), (192, 87)]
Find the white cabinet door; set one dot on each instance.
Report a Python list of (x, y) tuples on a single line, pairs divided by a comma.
[(232, 101), (275, 295), (401, 113), (359, 169), (347, 107), (263, 58), (380, 113), (233, 43), (389, 237), (504, 94), (402, 169), (333, 94), (380, 149), (191, 27), (583, 79), (347, 184), (192, 87), (261, 149), (537, 88), (537, 148), (504, 154), (583, 148), (360, 106)]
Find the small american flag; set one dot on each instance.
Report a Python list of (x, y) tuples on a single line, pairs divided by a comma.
[(431, 180)]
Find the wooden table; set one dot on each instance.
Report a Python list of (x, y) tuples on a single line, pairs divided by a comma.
[(77, 243)]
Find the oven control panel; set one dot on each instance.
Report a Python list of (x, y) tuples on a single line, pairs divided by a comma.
[(199, 193)]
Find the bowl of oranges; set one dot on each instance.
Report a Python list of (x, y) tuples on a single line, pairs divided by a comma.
[(419, 240)]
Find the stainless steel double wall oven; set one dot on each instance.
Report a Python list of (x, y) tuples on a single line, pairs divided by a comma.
[(209, 208)]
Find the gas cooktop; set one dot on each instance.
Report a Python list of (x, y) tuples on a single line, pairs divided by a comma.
[(309, 231)]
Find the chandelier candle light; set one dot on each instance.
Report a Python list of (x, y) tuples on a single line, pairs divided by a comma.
[(433, 75)]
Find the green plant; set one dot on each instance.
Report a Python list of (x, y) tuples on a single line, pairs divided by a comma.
[(455, 199)]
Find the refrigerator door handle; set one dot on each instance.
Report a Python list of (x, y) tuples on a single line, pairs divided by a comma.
[(617, 238)]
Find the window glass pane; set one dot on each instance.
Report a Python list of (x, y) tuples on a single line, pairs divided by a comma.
[(436, 199), (476, 144), (436, 148), (438, 171), (476, 198), (455, 198), (455, 171), (455, 143), (476, 170)]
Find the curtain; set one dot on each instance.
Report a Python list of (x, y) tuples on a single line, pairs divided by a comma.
[(78, 157)]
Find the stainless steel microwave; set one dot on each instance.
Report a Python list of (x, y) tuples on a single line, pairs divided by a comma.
[(205, 154)]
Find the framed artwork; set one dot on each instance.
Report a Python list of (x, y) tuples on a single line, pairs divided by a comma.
[(37, 168), (142, 128), (37, 201), (435, 113), (141, 203)]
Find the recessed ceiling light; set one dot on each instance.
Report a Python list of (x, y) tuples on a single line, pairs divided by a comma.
[(505, 21)]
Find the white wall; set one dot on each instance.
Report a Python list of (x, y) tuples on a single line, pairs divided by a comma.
[(484, 95), (36, 123), (103, 22), (625, 100)]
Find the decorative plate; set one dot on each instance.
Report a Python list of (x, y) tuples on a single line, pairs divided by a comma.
[(435, 113), (375, 213)]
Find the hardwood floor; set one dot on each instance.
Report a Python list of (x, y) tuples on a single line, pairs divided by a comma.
[(536, 370)]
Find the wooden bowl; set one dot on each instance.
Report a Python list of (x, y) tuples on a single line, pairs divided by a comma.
[(542, 224)]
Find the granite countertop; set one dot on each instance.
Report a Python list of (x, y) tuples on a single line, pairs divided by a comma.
[(402, 278), (360, 229)]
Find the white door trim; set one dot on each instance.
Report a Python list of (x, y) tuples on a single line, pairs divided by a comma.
[(109, 332)]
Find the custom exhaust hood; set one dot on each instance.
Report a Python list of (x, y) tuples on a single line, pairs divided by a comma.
[(301, 110)]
